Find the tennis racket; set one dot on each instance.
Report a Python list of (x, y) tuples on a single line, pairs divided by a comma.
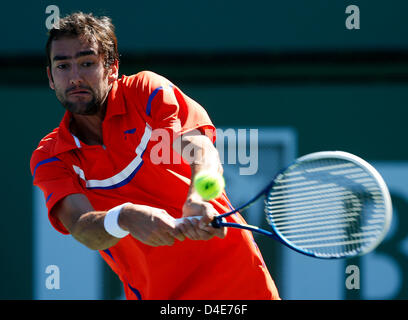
[(329, 204)]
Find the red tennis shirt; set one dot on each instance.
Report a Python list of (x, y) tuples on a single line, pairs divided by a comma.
[(137, 164)]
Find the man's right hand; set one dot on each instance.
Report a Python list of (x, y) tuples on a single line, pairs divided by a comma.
[(152, 226)]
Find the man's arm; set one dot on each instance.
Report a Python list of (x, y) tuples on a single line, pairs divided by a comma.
[(150, 225), (203, 157)]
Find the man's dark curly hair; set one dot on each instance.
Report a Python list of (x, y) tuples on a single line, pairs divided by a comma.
[(90, 28)]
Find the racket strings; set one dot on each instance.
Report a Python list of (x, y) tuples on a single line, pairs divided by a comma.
[(328, 207)]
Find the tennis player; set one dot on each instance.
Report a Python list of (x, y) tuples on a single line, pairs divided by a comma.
[(104, 184)]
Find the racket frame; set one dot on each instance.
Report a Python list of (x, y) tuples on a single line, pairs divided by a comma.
[(219, 220)]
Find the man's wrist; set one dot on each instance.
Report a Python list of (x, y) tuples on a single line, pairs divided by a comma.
[(124, 216), (112, 222)]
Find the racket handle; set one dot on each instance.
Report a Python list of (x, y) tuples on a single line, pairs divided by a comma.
[(180, 220)]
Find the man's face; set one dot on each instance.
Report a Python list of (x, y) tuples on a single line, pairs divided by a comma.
[(78, 76)]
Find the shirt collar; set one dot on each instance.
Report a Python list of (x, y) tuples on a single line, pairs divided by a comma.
[(116, 102), (66, 141)]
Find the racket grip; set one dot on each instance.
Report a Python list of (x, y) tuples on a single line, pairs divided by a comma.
[(180, 220)]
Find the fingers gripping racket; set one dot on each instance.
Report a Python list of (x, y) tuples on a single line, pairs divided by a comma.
[(329, 204)]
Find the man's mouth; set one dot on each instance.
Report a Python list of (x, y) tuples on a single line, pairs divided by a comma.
[(79, 92)]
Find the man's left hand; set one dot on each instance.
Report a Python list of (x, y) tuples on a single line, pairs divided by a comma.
[(201, 229)]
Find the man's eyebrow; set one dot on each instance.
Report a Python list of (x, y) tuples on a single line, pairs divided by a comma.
[(86, 53), (79, 54)]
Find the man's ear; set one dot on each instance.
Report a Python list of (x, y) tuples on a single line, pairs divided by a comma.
[(113, 72), (50, 79)]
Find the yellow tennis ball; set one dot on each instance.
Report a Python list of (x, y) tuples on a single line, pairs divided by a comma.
[(209, 185)]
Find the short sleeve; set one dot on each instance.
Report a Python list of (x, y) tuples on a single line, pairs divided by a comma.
[(56, 181), (171, 109)]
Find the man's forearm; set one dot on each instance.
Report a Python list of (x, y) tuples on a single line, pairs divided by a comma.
[(208, 160), (204, 156), (89, 230), (83, 222)]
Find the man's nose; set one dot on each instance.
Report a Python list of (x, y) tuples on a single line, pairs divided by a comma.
[(75, 76)]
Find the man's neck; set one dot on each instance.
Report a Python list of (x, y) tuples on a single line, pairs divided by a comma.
[(88, 129)]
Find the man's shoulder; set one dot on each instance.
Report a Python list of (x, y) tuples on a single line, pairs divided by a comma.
[(144, 75), (45, 147), (143, 80), (48, 141)]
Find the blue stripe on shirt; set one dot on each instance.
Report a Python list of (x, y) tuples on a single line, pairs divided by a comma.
[(44, 162), (149, 101), (134, 290)]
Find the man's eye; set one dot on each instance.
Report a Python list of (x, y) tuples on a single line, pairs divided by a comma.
[(87, 64), (62, 66)]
